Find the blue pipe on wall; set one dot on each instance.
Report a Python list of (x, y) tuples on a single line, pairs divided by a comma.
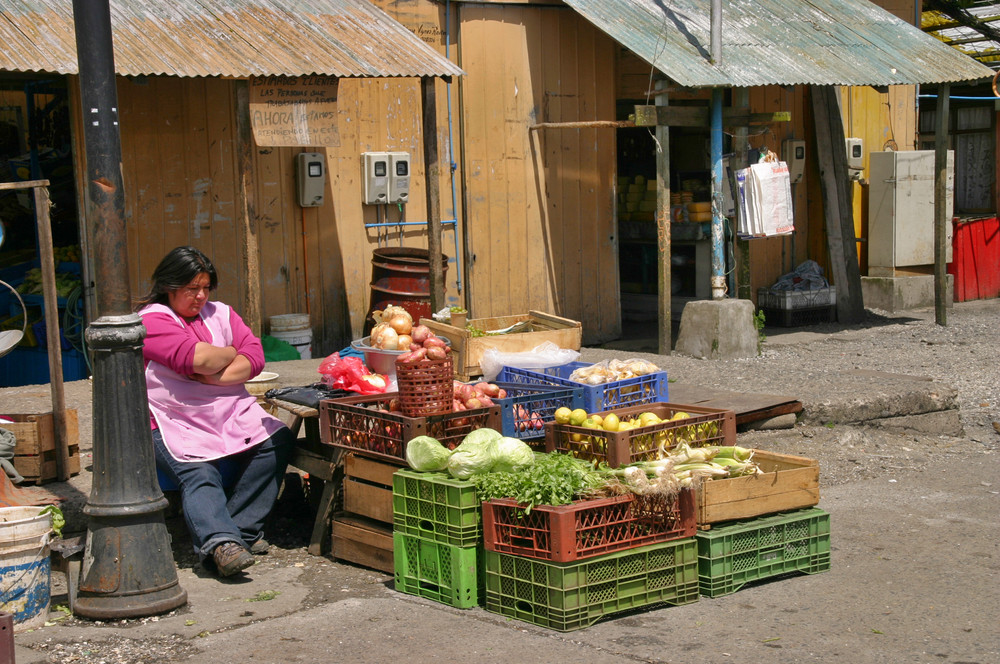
[(718, 236)]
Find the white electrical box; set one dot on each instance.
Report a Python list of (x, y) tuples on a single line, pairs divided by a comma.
[(855, 154), (399, 177), (794, 154), (901, 210), (375, 183), (311, 175)]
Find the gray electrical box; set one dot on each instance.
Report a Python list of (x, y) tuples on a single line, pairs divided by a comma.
[(399, 177), (375, 183), (311, 174), (795, 156)]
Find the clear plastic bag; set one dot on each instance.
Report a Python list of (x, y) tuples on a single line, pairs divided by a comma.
[(542, 356), (609, 371)]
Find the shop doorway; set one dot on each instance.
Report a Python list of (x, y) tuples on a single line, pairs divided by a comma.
[(36, 144), (690, 260)]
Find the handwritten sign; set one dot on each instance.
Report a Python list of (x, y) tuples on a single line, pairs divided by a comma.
[(294, 111)]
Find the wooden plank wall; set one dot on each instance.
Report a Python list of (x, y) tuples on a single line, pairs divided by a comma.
[(772, 257), (884, 121), (179, 155), (178, 170), (541, 231)]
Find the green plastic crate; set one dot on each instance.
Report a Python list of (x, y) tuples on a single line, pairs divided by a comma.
[(732, 555), (448, 574), (569, 596), (437, 507)]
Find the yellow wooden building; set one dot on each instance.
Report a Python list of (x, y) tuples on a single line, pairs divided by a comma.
[(533, 206)]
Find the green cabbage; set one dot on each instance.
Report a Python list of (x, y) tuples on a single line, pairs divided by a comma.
[(427, 454), (475, 454), (512, 455)]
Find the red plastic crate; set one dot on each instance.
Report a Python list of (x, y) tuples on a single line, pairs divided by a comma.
[(363, 425), (706, 426), (586, 528)]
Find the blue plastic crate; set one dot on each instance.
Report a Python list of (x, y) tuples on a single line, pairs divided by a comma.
[(30, 366), (540, 400), (651, 388)]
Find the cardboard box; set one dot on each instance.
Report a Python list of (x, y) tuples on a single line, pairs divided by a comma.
[(538, 328), (35, 451)]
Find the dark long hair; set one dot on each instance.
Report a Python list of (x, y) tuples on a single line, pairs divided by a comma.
[(176, 270)]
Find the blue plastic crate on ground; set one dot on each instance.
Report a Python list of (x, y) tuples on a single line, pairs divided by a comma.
[(30, 366), (736, 553), (526, 408), (569, 596), (445, 573), (651, 388)]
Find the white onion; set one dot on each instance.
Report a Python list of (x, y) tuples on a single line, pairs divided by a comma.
[(402, 324), (384, 337)]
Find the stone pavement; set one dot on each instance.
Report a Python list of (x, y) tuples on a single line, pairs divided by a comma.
[(894, 535)]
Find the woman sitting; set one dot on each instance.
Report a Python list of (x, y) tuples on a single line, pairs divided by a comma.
[(198, 355)]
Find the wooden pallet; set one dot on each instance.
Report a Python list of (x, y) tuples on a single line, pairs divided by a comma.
[(368, 488), (362, 541), (362, 533)]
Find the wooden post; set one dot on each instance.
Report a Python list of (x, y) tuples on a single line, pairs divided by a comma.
[(741, 103), (663, 229), (249, 244), (941, 219), (52, 331), (832, 156), (432, 174)]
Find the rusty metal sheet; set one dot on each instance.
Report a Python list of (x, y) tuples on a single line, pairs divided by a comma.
[(974, 37), (780, 42), (238, 38)]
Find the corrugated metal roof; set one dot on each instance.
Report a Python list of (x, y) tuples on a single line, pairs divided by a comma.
[(779, 42), (238, 38)]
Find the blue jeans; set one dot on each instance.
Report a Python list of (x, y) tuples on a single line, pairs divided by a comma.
[(215, 515)]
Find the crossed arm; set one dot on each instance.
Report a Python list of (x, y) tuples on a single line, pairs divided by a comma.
[(178, 348), (220, 366)]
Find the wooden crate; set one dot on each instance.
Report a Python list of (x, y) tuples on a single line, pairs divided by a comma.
[(363, 542), (368, 488), (788, 483), (468, 350), (35, 451)]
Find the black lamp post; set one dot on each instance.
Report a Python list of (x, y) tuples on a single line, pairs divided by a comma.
[(128, 568)]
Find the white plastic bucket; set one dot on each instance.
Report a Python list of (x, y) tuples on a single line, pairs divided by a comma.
[(289, 322), (25, 565), (294, 329)]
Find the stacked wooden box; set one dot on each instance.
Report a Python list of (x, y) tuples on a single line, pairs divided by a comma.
[(35, 451)]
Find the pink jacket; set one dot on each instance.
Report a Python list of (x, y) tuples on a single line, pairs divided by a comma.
[(201, 422)]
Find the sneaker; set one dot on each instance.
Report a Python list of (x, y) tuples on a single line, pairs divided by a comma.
[(260, 547), (231, 558)]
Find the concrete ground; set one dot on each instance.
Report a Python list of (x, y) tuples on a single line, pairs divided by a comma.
[(914, 563)]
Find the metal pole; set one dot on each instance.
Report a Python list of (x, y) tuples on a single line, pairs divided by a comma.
[(941, 220), (716, 35), (128, 569), (718, 219)]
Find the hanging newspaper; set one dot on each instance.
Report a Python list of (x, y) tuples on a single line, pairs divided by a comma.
[(764, 200)]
